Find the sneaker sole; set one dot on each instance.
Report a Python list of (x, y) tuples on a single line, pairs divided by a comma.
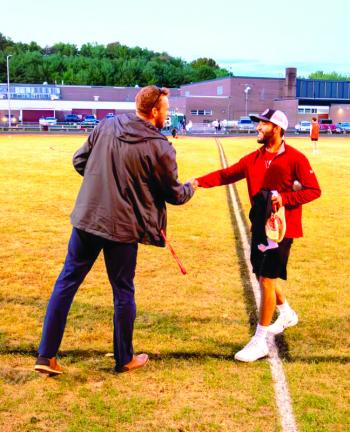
[(47, 370), (290, 324), (250, 361)]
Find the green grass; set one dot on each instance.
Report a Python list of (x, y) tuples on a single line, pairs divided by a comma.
[(318, 369), (190, 325)]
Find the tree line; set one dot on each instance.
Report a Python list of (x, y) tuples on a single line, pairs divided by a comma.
[(113, 64), (94, 64), (332, 76)]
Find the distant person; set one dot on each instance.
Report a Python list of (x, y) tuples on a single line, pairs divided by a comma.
[(174, 132), (314, 134), (219, 126), (184, 123), (189, 126), (280, 176), (129, 172)]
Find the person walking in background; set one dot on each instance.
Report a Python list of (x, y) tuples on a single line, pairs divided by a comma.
[(314, 134), (174, 132), (129, 172), (278, 173)]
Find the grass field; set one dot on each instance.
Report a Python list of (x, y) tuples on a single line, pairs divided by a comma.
[(191, 326)]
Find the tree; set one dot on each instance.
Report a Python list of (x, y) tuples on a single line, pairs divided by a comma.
[(93, 50), (204, 61), (28, 67), (333, 76), (96, 64), (204, 72), (64, 49)]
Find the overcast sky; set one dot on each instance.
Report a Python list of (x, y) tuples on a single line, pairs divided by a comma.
[(252, 38)]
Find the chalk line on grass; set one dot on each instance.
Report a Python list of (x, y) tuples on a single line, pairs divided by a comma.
[(282, 395)]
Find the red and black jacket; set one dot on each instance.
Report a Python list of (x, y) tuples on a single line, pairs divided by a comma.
[(288, 165)]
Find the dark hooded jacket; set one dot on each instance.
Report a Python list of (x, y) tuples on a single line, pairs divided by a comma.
[(130, 172)]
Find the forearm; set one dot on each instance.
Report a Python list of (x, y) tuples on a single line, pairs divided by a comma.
[(166, 173), (180, 194), (222, 177), (296, 198)]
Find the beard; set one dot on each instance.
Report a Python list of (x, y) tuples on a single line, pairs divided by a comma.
[(265, 138), (160, 123), (262, 140)]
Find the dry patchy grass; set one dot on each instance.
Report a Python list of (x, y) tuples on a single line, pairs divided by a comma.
[(318, 366), (191, 326)]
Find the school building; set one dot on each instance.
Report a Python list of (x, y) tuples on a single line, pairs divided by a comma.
[(226, 98)]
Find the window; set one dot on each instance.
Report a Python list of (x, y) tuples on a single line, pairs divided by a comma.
[(313, 109), (219, 90), (40, 92), (202, 112)]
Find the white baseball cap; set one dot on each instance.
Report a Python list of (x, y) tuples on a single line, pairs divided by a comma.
[(276, 117)]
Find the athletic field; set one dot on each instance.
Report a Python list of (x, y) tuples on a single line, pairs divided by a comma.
[(191, 325)]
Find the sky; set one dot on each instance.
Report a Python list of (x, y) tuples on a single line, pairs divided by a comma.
[(249, 38)]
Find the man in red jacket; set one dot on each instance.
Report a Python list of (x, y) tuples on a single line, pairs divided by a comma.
[(277, 167)]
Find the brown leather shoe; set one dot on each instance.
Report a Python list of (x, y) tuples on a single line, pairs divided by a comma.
[(48, 366), (137, 361)]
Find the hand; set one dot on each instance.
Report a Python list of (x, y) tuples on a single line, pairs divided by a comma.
[(194, 183), (276, 201)]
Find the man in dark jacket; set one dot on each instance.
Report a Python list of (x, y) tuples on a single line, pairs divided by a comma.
[(130, 172)]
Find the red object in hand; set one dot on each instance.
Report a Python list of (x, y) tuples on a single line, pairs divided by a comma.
[(182, 268)]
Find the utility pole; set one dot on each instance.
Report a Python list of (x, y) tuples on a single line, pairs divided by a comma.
[(246, 91), (8, 89)]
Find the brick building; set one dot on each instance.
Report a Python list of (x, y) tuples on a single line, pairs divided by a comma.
[(223, 98)]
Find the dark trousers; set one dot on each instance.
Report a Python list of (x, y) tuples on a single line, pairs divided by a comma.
[(120, 261)]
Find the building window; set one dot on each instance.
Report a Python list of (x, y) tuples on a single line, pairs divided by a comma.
[(219, 90), (313, 109), (41, 92), (202, 112), (187, 93)]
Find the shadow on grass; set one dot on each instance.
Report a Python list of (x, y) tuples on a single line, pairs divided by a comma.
[(82, 354), (321, 359), (249, 299)]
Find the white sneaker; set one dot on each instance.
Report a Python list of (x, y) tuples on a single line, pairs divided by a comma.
[(283, 322), (255, 349)]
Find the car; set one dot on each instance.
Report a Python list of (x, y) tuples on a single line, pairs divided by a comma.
[(48, 121), (72, 118), (5, 120), (246, 124), (345, 126), (110, 115), (303, 126), (327, 125), (90, 120)]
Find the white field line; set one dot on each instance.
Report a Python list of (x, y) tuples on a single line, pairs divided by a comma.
[(283, 399)]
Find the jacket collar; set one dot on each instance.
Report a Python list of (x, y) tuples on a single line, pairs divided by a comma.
[(281, 150)]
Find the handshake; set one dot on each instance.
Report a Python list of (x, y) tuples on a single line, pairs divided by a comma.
[(193, 182)]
